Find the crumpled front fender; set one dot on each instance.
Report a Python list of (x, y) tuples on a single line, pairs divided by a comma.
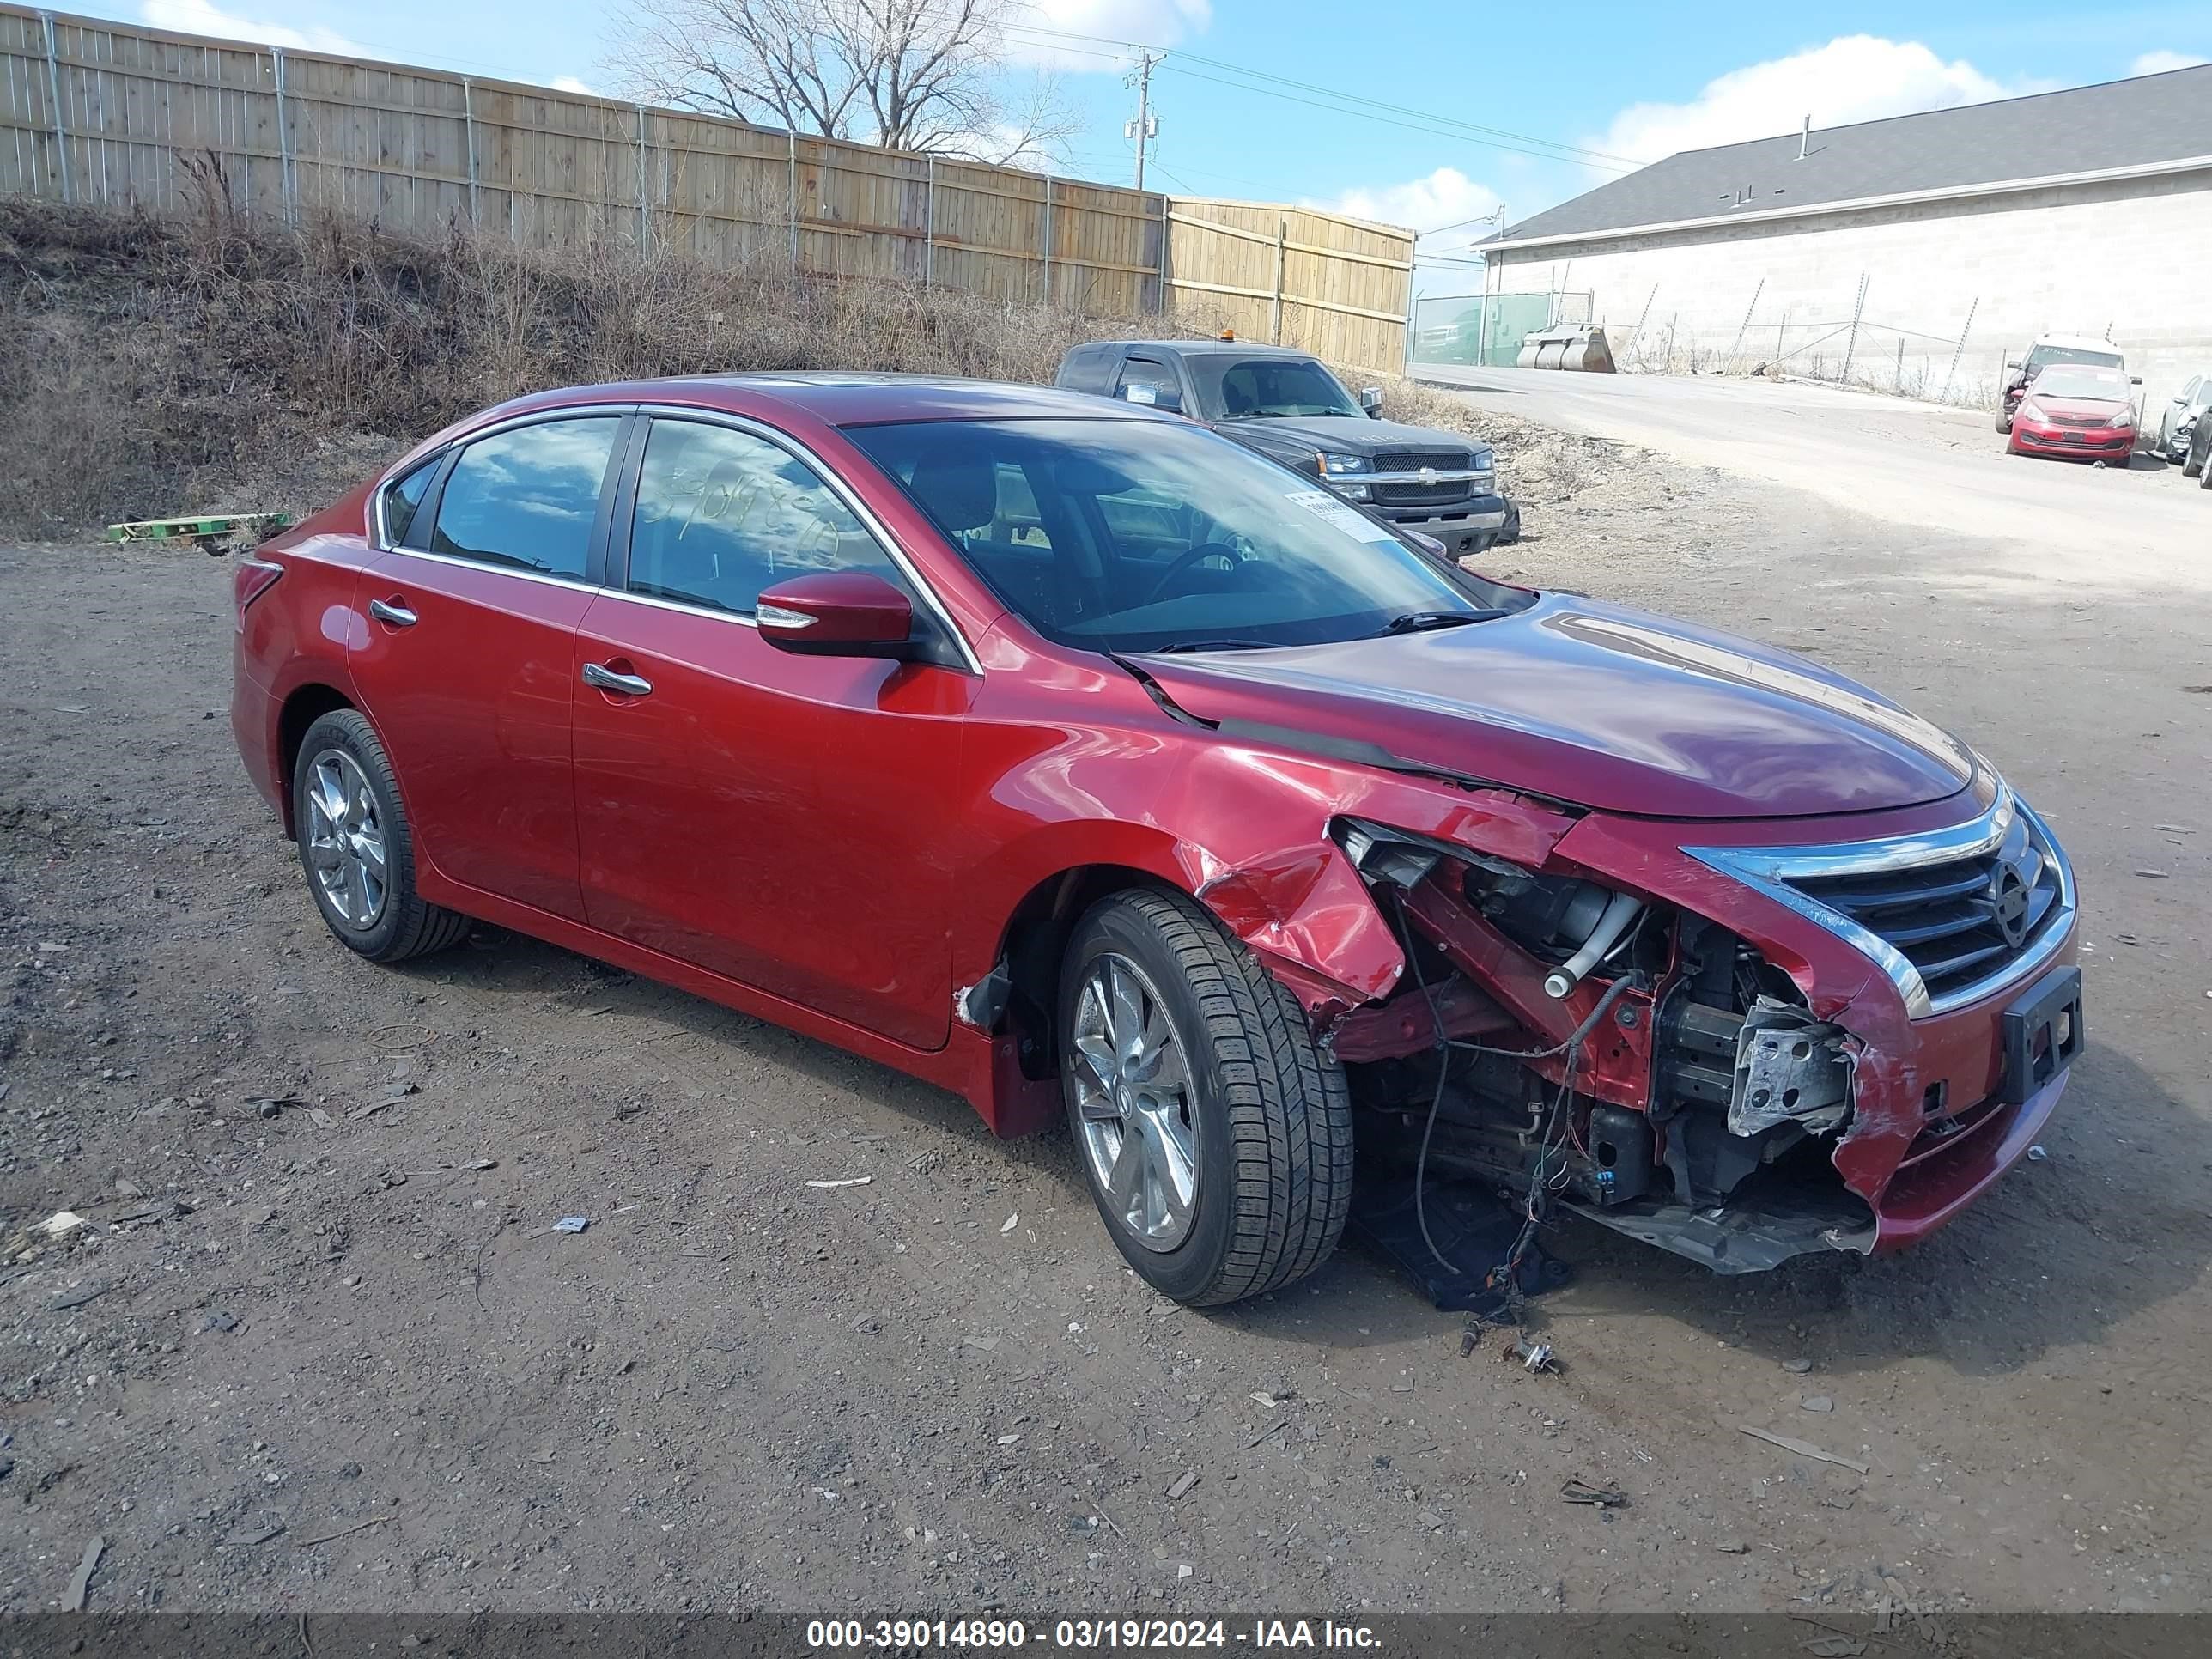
[(1279, 882)]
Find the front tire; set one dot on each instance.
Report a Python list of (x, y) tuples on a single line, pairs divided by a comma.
[(356, 847), (2191, 465), (1215, 1133)]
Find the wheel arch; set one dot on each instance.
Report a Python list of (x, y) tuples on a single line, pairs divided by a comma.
[(303, 706), (1031, 944)]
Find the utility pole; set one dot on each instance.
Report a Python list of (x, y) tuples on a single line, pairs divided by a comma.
[(1146, 127)]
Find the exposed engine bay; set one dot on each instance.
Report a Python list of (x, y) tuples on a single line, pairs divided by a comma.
[(1578, 1046)]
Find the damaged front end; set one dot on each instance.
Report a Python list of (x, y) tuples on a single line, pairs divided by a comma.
[(1699, 1110), (1742, 1053)]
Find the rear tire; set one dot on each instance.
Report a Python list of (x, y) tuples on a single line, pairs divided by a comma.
[(1215, 1133), (356, 847)]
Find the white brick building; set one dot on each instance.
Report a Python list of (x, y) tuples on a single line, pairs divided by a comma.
[(1953, 238)]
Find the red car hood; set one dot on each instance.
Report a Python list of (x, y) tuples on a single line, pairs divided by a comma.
[(1607, 707), (2097, 409)]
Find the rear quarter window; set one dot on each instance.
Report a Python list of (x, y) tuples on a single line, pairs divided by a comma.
[(402, 497)]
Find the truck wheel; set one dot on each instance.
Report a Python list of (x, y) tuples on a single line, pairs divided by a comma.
[(1215, 1133), (356, 846)]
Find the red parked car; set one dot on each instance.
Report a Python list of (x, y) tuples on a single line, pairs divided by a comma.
[(2078, 411), (1086, 763)]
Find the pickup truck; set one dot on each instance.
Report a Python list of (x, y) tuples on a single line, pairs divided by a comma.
[(1288, 406)]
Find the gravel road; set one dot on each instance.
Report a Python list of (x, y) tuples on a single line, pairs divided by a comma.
[(329, 1353)]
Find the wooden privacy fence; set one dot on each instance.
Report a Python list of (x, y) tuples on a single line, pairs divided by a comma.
[(1330, 285), (112, 114)]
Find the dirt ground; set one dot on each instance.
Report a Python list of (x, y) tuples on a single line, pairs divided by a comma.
[(328, 1354)]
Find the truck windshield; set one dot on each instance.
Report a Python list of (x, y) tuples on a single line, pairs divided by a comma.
[(1140, 535), (1260, 388), (2081, 380), (2044, 355)]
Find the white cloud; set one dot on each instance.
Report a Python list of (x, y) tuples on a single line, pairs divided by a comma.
[(1854, 77), (1139, 23), (570, 83), (203, 18), (2157, 62), (1442, 198)]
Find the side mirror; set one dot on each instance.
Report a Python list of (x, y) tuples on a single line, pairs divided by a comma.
[(1370, 400), (1153, 396), (2135, 380), (836, 613), (2012, 363)]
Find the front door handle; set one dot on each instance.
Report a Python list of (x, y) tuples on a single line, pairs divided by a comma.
[(398, 615), (630, 685)]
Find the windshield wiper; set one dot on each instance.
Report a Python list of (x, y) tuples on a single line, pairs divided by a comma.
[(1420, 622), (1212, 644)]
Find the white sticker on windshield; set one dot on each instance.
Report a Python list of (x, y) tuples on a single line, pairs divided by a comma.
[(1140, 394), (1323, 505)]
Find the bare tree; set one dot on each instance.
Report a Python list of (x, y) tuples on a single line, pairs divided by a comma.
[(918, 75)]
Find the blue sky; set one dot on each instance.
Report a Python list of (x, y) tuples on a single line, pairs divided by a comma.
[(1629, 82)]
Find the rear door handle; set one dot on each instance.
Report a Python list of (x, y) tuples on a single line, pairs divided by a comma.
[(630, 685), (398, 615)]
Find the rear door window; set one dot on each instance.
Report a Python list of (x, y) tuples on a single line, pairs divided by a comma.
[(528, 497)]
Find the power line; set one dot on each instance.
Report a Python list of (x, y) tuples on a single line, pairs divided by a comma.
[(1572, 151), (1442, 126), (1384, 120)]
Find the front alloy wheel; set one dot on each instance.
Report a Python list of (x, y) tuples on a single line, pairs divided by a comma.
[(1215, 1132), (1132, 1084)]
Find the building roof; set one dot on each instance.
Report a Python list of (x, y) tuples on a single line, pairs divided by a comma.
[(2152, 123)]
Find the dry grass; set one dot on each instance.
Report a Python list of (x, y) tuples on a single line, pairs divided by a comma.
[(157, 365)]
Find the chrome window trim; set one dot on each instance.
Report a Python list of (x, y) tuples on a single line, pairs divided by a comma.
[(716, 611), (547, 578), (382, 542), (1769, 870), (859, 509)]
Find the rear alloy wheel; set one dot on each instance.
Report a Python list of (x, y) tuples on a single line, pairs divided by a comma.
[(356, 847), (1214, 1131)]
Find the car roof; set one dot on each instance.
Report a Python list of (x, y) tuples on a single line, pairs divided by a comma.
[(849, 398), (2076, 342), (1212, 348)]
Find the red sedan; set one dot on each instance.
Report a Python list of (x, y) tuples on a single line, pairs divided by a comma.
[(1089, 764), (2079, 410)]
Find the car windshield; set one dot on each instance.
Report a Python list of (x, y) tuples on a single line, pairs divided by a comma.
[(1138, 535), (2081, 382), (1260, 388), (2045, 355)]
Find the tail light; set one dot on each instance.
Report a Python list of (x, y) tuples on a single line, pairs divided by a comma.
[(255, 577)]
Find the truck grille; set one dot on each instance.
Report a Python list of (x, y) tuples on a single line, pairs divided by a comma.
[(1421, 495), (1412, 460), (1958, 922)]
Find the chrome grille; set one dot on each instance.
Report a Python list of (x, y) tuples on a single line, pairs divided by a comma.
[(1951, 916), (1412, 460), (1957, 921)]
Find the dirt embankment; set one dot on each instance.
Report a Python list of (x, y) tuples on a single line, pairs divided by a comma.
[(156, 367)]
